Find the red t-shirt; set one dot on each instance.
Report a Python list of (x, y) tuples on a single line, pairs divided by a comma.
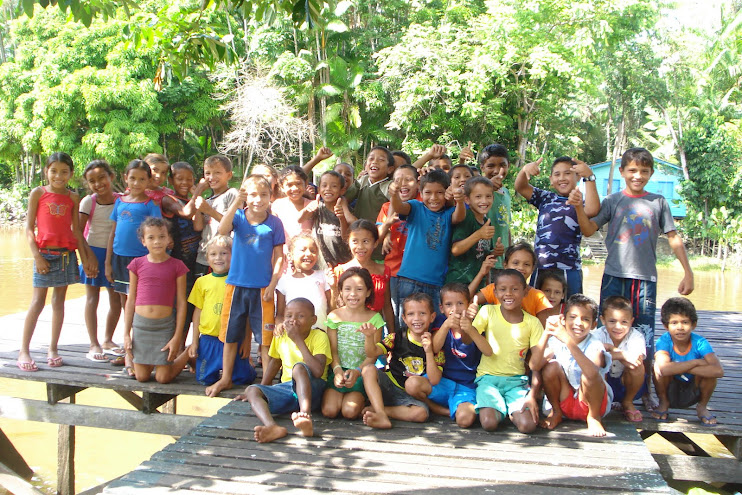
[(156, 282)]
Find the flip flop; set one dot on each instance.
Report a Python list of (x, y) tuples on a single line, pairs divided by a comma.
[(118, 361), (706, 420), (658, 416), (128, 372), (54, 362), (115, 351), (96, 357), (633, 416), (27, 366)]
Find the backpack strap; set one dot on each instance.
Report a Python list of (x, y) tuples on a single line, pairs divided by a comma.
[(94, 199)]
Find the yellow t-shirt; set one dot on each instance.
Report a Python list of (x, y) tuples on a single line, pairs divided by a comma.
[(283, 348), (208, 296), (510, 341)]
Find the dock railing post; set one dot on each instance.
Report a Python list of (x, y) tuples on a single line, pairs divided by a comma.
[(66, 456)]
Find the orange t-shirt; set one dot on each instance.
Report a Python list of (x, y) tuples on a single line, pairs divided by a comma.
[(534, 302)]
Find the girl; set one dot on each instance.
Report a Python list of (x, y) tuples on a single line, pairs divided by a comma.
[(458, 175), (187, 226), (271, 175), (293, 182), (129, 211), (351, 184), (554, 286), (94, 217), (160, 168), (373, 189), (346, 329), (156, 280), (521, 257), (303, 280), (51, 212), (362, 240)]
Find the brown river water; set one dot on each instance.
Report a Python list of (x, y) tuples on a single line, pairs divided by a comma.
[(103, 454)]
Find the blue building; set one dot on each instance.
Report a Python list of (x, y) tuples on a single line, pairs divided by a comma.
[(665, 181)]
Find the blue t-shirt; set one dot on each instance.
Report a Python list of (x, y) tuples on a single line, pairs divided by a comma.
[(461, 359), (428, 245), (252, 251), (558, 233), (128, 218), (699, 348)]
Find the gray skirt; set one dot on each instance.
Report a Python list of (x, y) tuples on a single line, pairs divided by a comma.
[(151, 335)]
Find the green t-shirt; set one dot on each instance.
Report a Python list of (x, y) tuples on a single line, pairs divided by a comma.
[(500, 216), (351, 349), (465, 267)]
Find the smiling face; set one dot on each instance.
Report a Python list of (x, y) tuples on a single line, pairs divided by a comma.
[(434, 196), (480, 199), (58, 174), (377, 165), (294, 187), (99, 181), (495, 166), (355, 292), (418, 315), (459, 176), (258, 197), (362, 244), (636, 176), (304, 254), (680, 328), (219, 258), (618, 323), (137, 180), (159, 173), (156, 239), (347, 173), (453, 302), (510, 291), (563, 179), (554, 291), (407, 182), (217, 176), (521, 261), (578, 321), (330, 188), (183, 182)]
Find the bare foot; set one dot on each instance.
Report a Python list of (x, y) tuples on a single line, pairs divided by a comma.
[(216, 388), (595, 427), (376, 420), (303, 422), (265, 434), (552, 420)]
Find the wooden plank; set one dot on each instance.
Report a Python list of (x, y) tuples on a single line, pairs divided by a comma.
[(12, 459), (691, 468), (66, 457), (15, 484), (56, 393), (97, 417), (733, 444)]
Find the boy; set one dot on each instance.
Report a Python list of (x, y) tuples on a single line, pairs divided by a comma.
[(558, 234), (257, 259), (502, 383), (429, 223), (472, 238), (685, 368), (217, 172), (635, 219), (573, 379), (626, 347), (494, 164), (207, 296), (462, 348), (303, 353), (413, 368)]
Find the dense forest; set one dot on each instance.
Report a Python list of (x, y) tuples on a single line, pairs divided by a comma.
[(274, 80)]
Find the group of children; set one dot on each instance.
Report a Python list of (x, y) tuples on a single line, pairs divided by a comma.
[(391, 295)]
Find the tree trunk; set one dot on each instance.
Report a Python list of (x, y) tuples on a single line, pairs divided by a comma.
[(524, 127), (676, 139)]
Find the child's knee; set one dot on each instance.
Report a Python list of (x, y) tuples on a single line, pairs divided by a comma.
[(524, 422), (465, 415), (369, 373), (351, 409), (490, 418), (418, 414), (551, 371), (299, 371), (417, 385)]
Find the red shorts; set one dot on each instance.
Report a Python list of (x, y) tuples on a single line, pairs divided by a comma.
[(573, 408)]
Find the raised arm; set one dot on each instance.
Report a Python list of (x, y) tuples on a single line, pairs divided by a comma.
[(592, 200), (523, 179), (399, 206), (323, 154)]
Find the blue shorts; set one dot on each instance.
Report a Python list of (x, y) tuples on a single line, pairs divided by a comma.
[(282, 397), (244, 306), (506, 394), (62, 269), (619, 391), (209, 363), (100, 280), (451, 394), (573, 278), (120, 266), (643, 297)]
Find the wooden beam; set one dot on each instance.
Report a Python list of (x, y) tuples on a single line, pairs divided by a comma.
[(13, 459), (693, 468), (97, 417), (131, 398), (66, 457), (733, 444), (682, 442), (14, 484), (152, 401), (55, 393)]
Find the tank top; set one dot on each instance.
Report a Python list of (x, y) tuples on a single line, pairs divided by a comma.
[(54, 221)]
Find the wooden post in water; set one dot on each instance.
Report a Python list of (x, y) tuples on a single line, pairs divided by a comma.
[(66, 457)]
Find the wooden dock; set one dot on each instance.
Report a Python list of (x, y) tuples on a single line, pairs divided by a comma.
[(219, 455)]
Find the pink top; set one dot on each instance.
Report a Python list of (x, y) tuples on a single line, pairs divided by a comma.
[(285, 210), (156, 195), (156, 281), (54, 221)]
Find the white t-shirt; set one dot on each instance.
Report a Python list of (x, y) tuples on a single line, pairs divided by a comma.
[(312, 287), (633, 343), (220, 203), (100, 224)]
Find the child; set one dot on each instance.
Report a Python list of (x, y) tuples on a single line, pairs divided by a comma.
[(373, 188), (302, 352), (414, 367), (393, 231), (271, 175), (434, 159), (494, 164), (257, 260), (217, 173), (459, 174), (519, 257), (346, 327), (362, 240), (160, 170), (572, 369), (153, 336), (207, 297), (51, 212), (686, 368), (554, 286), (472, 238), (429, 224), (187, 225), (94, 215), (635, 219), (558, 235), (502, 383), (626, 347), (289, 209), (462, 348), (302, 280)]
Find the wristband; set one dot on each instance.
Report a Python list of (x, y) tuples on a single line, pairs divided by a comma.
[(359, 369), (336, 367)]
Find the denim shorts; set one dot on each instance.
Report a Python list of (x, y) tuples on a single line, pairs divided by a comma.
[(62, 269), (573, 278), (120, 267), (643, 297), (282, 397)]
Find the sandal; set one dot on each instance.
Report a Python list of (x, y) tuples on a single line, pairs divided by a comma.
[(54, 362), (96, 357), (633, 415), (661, 416), (27, 365)]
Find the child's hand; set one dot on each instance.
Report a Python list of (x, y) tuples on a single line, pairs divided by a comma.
[(453, 320), (241, 198), (293, 331), (269, 293), (193, 348), (244, 351), (436, 151), (339, 379), (109, 272), (575, 198), (393, 189), (581, 168), (42, 266), (465, 324), (313, 206), (555, 327), (473, 309), (340, 205), (330, 276), (367, 329), (632, 361), (487, 230), (498, 251), (127, 343), (449, 193), (390, 219), (199, 189), (386, 246), (200, 202), (323, 154), (427, 341), (279, 330), (172, 347), (531, 406), (351, 376), (488, 263), (532, 169), (458, 195), (467, 154), (91, 267)]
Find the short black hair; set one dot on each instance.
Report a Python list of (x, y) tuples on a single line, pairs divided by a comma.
[(332, 173), (418, 297), (222, 160), (303, 300), (585, 302), (678, 306), (520, 246), (459, 165), (402, 155), (562, 159), (640, 155), (181, 166), (153, 222), (457, 288), (476, 180), (415, 171), (493, 150), (616, 303), (551, 274), (292, 169), (509, 272), (435, 176)]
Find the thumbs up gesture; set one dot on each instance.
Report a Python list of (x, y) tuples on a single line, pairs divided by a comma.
[(487, 230), (473, 309), (575, 198)]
